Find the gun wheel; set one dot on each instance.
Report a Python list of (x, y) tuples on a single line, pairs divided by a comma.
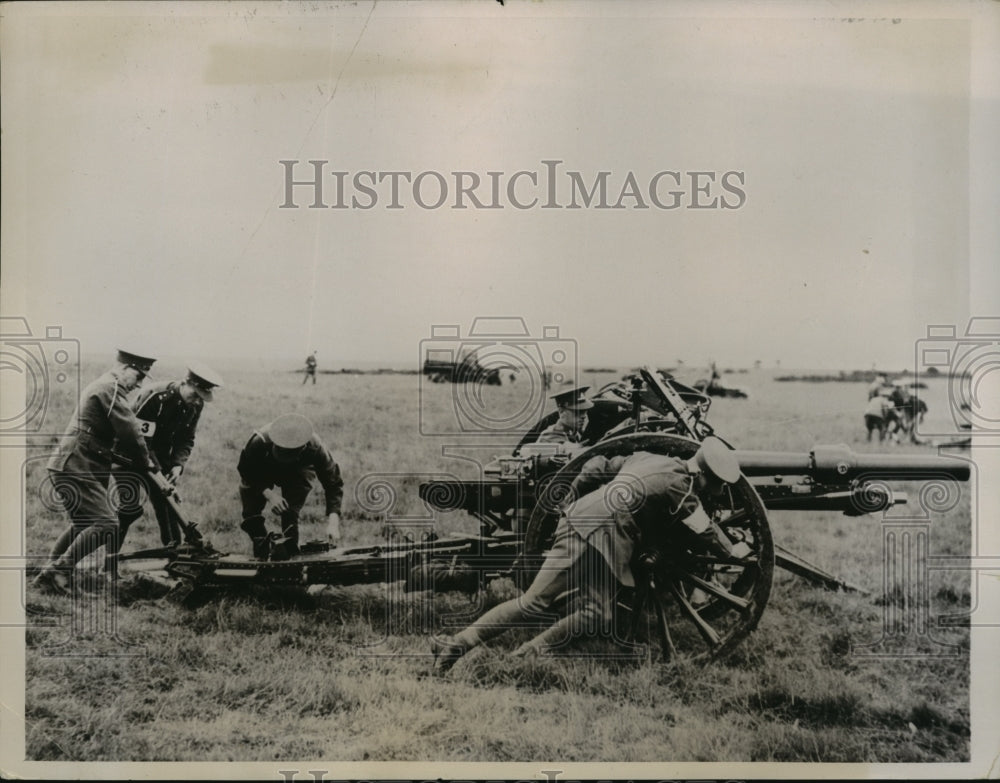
[(686, 604)]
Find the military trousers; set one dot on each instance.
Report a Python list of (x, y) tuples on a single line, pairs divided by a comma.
[(132, 488), (573, 570), (87, 501), (294, 489)]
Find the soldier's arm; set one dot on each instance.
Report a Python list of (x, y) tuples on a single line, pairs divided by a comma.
[(145, 404), (252, 466), (328, 473), (677, 503), (184, 439), (127, 433), (553, 434)]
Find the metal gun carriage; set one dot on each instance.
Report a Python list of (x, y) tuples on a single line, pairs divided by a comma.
[(686, 602)]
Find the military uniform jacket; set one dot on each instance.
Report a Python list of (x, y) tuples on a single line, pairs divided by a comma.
[(102, 426), (168, 422), (559, 433), (259, 468), (638, 499)]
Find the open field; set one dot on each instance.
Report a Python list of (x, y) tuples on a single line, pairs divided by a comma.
[(344, 674)]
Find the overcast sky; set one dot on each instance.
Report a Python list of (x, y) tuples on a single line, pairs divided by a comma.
[(142, 183)]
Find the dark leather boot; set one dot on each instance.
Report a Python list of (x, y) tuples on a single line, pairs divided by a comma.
[(290, 539), (53, 580), (446, 651), (254, 527)]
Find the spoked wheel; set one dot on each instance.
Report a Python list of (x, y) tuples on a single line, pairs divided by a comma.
[(691, 604), (687, 603)]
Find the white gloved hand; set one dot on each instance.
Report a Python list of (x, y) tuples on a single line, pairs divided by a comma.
[(278, 503)]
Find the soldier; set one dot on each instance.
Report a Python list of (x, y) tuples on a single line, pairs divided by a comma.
[(875, 389), (876, 416), (572, 422), (310, 368), (276, 467), (596, 538), (80, 469), (905, 410), (713, 381), (168, 414), (568, 432)]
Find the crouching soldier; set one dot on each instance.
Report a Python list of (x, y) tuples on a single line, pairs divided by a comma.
[(276, 468)]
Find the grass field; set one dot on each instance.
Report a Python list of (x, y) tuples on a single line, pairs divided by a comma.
[(344, 674)]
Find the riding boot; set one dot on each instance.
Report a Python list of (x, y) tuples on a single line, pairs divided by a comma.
[(111, 551), (53, 580), (447, 650), (290, 534), (254, 527)]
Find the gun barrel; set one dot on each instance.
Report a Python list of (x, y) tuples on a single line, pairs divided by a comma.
[(840, 463)]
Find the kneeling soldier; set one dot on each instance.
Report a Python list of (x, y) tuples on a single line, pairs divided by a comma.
[(277, 467)]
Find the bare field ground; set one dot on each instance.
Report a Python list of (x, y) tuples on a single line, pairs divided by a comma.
[(343, 674)]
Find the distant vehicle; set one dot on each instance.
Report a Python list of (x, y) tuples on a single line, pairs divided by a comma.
[(468, 370)]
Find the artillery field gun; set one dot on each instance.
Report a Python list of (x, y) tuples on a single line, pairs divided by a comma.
[(686, 602)]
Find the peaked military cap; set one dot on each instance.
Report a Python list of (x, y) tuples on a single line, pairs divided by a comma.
[(203, 379), (574, 399), (291, 431), (715, 457), (135, 361)]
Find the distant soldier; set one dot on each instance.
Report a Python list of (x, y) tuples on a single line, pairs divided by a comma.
[(713, 381), (168, 414), (875, 389), (899, 395), (310, 368), (80, 469), (876, 416), (595, 542), (276, 468), (908, 410)]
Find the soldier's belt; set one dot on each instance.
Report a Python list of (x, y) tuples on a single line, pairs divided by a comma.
[(90, 443)]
